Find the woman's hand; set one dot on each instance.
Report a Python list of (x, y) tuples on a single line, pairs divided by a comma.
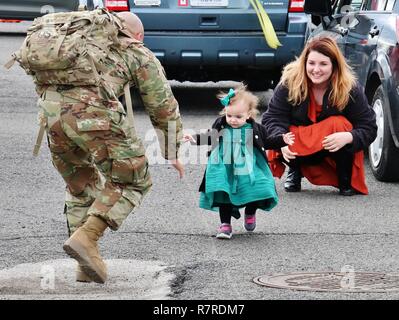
[(288, 154), (336, 141), (289, 138)]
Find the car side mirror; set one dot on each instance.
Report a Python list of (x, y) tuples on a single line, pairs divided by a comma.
[(318, 7)]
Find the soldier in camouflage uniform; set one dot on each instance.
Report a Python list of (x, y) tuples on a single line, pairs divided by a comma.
[(93, 148)]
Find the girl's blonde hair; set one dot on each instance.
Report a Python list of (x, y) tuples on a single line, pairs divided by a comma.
[(241, 93), (342, 79)]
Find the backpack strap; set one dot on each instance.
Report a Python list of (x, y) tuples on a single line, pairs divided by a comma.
[(40, 134), (52, 96), (129, 106), (63, 32), (39, 139), (11, 62)]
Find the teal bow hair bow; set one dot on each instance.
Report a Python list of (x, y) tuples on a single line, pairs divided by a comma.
[(225, 101)]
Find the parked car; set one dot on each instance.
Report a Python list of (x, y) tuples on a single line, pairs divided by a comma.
[(367, 32), (213, 40), (31, 9)]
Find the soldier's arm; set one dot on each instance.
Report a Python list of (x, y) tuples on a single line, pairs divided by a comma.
[(161, 106)]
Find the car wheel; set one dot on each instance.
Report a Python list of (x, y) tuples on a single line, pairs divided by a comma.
[(383, 154)]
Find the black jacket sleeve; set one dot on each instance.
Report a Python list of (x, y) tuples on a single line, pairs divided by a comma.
[(274, 142), (363, 119), (269, 141), (277, 117)]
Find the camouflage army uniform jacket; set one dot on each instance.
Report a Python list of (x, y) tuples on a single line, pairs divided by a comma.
[(143, 71)]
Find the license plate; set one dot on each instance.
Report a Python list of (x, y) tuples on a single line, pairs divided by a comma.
[(209, 3), (146, 3)]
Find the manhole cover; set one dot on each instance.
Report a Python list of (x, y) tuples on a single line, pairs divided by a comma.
[(332, 281)]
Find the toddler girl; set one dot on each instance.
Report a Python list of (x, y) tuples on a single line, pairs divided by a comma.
[(237, 174)]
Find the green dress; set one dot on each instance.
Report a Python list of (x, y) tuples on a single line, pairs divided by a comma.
[(237, 173)]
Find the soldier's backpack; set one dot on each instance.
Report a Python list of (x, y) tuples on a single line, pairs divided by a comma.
[(73, 48), (76, 48)]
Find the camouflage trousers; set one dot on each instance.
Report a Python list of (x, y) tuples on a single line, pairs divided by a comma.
[(105, 169)]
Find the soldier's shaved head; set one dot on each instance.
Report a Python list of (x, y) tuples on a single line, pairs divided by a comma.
[(133, 26)]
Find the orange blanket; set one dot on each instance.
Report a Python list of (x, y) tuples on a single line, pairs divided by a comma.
[(308, 141)]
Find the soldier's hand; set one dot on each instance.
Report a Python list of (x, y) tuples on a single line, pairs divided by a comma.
[(178, 166)]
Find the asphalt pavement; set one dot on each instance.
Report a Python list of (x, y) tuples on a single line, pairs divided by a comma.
[(167, 248)]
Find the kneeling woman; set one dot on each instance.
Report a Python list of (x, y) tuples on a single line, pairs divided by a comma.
[(319, 99)]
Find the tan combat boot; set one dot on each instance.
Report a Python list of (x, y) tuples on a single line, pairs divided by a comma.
[(82, 246), (81, 276)]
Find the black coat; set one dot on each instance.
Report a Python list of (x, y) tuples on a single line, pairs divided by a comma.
[(261, 140), (281, 114)]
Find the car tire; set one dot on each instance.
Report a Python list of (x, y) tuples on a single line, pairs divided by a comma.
[(383, 154)]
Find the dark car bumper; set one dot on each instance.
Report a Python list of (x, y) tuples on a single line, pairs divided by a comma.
[(222, 49)]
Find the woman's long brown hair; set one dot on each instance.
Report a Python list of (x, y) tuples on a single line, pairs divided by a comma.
[(342, 79)]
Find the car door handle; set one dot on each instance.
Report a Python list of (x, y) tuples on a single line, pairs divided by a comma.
[(374, 32)]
